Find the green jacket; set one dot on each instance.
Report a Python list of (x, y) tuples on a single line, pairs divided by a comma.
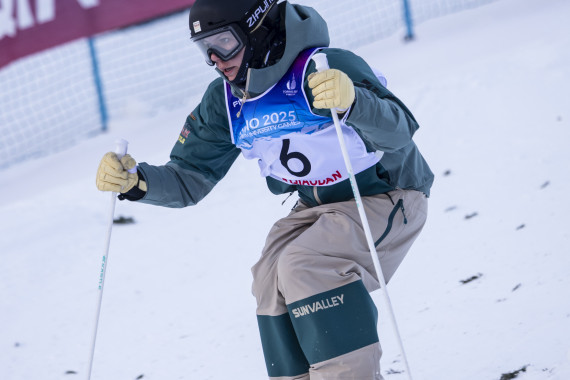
[(204, 152)]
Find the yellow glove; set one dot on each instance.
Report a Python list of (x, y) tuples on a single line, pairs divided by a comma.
[(332, 89), (113, 175)]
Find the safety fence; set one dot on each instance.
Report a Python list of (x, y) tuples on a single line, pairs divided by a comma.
[(55, 98)]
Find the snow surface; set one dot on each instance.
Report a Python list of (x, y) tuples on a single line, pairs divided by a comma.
[(489, 88)]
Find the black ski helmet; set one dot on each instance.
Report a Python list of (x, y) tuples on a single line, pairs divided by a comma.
[(252, 22)]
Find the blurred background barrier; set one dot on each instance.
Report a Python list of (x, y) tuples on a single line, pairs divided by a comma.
[(98, 74)]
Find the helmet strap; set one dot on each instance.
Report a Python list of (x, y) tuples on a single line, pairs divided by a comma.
[(241, 76), (256, 51), (259, 43)]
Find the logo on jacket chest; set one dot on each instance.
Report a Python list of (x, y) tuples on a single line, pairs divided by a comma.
[(291, 87)]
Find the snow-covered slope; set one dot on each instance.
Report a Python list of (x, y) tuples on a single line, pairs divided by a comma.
[(483, 293)]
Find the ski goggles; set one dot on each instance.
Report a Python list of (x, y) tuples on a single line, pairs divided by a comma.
[(225, 42)]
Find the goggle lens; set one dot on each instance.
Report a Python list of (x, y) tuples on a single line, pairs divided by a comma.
[(225, 44)]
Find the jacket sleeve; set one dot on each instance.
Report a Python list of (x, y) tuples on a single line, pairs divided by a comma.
[(382, 120), (200, 158)]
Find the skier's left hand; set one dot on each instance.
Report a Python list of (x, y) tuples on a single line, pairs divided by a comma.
[(113, 174), (332, 89)]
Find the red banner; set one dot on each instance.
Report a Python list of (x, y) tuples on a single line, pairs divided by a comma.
[(29, 26)]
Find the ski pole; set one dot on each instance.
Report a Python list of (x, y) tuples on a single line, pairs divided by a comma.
[(322, 64), (120, 150)]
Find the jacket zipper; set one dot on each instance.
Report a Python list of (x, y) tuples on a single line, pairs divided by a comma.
[(245, 94)]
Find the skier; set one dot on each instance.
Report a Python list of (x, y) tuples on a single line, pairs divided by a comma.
[(312, 282)]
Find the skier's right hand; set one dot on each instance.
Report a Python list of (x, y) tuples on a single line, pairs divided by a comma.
[(114, 175)]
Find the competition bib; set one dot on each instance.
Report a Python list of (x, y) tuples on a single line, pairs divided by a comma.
[(291, 143)]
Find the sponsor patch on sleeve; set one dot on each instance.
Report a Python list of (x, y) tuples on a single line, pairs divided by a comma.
[(184, 134)]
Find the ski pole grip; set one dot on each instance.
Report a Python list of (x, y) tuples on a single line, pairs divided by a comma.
[(121, 146), (321, 61)]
